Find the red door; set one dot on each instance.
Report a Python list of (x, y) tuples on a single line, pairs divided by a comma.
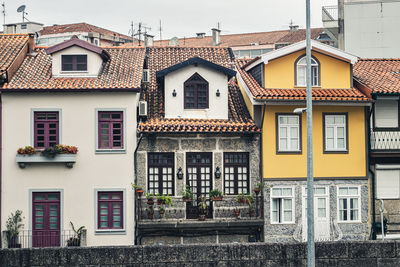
[(46, 219)]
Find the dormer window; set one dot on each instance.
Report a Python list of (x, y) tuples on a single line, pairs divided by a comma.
[(196, 92), (301, 77), (74, 62)]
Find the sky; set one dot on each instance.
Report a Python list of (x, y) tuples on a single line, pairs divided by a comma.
[(181, 18)]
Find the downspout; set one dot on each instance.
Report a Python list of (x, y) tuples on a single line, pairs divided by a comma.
[(135, 182), (261, 166), (372, 173), (1, 158)]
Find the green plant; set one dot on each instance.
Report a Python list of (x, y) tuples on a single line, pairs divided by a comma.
[(150, 195), (187, 193), (215, 193), (28, 150), (203, 207), (260, 185), (65, 149), (164, 200), (14, 224), (241, 197), (51, 152), (137, 187), (250, 199), (75, 241)]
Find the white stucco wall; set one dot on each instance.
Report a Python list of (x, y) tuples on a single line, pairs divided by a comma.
[(371, 28), (90, 172), (218, 106), (94, 63)]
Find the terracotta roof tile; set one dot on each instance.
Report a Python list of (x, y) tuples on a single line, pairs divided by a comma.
[(10, 46), (380, 75), (279, 94), (123, 71), (161, 58), (79, 27)]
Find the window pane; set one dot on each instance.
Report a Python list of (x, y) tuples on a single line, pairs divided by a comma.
[(341, 143), (287, 204), (343, 191), (339, 119), (283, 144), (340, 132), (276, 191), (294, 132), (353, 191), (283, 132), (329, 132), (301, 75), (293, 120), (287, 216), (294, 144), (283, 119)]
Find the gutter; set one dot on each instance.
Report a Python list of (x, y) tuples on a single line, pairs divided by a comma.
[(135, 181), (373, 230), (1, 158)]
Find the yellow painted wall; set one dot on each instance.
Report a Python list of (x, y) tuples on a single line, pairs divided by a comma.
[(325, 165), (280, 72), (247, 101)]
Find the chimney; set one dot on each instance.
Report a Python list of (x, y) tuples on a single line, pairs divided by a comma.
[(200, 35), (31, 42), (293, 28), (148, 40), (216, 36)]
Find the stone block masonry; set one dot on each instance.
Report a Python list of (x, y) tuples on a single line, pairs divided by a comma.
[(365, 253)]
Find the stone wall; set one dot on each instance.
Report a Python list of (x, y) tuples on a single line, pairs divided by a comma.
[(339, 231), (366, 253)]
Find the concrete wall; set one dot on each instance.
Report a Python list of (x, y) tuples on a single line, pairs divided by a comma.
[(218, 105), (93, 169), (94, 63), (371, 28), (368, 253)]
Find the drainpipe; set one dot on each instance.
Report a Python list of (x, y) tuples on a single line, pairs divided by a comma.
[(135, 181), (261, 163), (372, 173), (1, 154)]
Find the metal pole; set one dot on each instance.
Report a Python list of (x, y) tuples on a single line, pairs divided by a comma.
[(310, 178)]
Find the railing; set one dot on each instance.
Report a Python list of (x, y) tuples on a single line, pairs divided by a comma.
[(385, 140), (227, 208), (29, 238), (329, 13)]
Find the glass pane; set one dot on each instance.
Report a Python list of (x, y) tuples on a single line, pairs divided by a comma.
[(321, 207), (39, 197), (294, 132), (353, 190), (339, 119), (340, 132), (103, 224), (282, 119), (105, 116), (343, 190), (293, 120), (286, 191), (287, 204), (320, 190), (329, 132), (283, 144), (53, 226), (38, 226), (329, 143), (287, 216), (340, 143), (276, 191), (103, 196), (282, 132), (294, 144), (116, 218), (329, 119), (117, 224)]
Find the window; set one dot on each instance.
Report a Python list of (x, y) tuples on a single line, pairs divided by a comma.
[(387, 181), (196, 92), (301, 72), (236, 173), (46, 129), (288, 133), (282, 205), (161, 173), (110, 210), (349, 203), (110, 130), (74, 62), (335, 132), (386, 113)]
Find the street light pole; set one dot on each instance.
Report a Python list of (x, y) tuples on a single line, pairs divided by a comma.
[(310, 178)]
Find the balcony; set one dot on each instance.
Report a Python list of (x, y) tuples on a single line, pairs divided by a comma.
[(24, 160), (329, 13), (385, 141), (225, 216)]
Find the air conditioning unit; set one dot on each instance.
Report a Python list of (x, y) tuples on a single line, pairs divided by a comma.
[(143, 108), (146, 76)]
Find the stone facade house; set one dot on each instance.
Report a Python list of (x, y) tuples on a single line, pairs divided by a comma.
[(197, 136), (71, 109)]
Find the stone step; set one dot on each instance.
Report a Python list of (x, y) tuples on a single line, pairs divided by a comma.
[(393, 227)]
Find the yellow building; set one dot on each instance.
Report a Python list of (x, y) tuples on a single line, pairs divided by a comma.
[(273, 86)]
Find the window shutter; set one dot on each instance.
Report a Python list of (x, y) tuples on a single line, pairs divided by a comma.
[(388, 184), (387, 113)]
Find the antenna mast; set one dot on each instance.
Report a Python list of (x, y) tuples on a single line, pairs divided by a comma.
[(3, 5), (160, 29), (140, 32)]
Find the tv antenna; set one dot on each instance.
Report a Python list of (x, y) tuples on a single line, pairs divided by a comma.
[(142, 29), (3, 5), (21, 9), (160, 29)]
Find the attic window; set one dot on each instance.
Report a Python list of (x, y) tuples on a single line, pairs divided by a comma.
[(74, 62), (196, 92)]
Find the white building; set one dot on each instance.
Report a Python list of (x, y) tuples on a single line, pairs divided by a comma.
[(79, 94)]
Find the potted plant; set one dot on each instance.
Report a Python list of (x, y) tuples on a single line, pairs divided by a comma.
[(139, 189), (259, 187), (28, 150), (13, 227), (250, 201), (215, 195), (163, 201), (51, 152), (150, 213), (150, 199), (237, 212), (203, 208), (187, 195), (75, 241), (241, 198)]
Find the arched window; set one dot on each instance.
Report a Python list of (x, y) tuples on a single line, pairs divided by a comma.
[(300, 66), (196, 92)]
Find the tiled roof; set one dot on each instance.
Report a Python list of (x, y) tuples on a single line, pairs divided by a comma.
[(246, 39), (160, 58), (379, 75), (283, 94), (123, 71), (78, 27), (10, 46)]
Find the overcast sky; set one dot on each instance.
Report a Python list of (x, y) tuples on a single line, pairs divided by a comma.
[(181, 18)]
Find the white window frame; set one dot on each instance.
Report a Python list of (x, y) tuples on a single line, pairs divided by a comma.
[(292, 197), (348, 197), (288, 133), (302, 66), (335, 138)]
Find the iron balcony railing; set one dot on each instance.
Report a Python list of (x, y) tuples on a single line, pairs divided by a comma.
[(29, 238), (385, 140), (329, 13)]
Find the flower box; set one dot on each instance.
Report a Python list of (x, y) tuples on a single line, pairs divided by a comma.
[(68, 159)]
